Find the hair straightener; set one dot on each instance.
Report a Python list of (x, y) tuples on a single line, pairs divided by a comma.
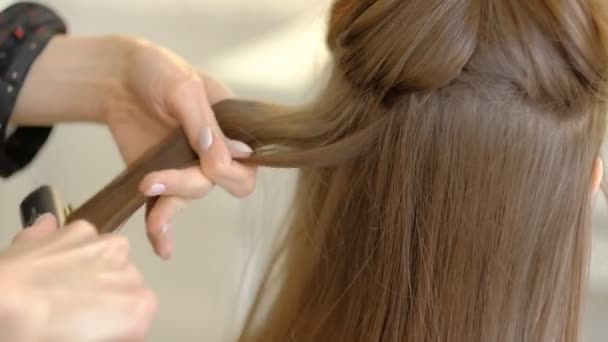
[(173, 152), (120, 199), (41, 201)]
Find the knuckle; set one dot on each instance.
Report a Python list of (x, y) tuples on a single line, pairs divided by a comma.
[(146, 305), (152, 304), (120, 243), (84, 227), (187, 87), (216, 169), (245, 188), (171, 177), (135, 275), (143, 308), (203, 188), (215, 164)]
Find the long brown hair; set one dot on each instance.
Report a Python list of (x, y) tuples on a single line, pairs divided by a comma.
[(444, 191)]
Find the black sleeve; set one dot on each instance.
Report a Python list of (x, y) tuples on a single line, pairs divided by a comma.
[(25, 30)]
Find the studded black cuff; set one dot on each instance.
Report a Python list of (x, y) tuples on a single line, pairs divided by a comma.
[(25, 30)]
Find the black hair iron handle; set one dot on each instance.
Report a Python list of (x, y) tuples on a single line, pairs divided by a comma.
[(174, 152), (42, 201)]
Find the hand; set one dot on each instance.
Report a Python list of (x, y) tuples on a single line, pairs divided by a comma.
[(71, 285), (164, 92), (141, 92)]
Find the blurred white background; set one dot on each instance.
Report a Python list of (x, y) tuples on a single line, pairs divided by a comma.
[(265, 49)]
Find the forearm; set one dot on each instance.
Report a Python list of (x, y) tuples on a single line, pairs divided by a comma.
[(71, 80)]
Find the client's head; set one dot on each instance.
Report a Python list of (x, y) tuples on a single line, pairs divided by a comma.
[(447, 171)]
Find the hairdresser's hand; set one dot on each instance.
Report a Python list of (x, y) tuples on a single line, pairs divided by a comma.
[(71, 285), (166, 92), (142, 92)]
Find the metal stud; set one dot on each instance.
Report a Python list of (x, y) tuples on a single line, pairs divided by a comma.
[(10, 89)]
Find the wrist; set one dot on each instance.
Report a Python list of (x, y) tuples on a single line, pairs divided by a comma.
[(73, 79), (120, 96)]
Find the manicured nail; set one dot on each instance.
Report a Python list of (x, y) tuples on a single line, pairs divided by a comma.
[(239, 149), (164, 228), (206, 139), (155, 190)]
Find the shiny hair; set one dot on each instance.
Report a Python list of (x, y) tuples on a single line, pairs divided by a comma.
[(445, 174)]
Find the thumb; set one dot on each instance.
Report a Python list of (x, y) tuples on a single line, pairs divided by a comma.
[(44, 226)]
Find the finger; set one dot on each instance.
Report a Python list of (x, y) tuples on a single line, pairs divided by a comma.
[(189, 183), (115, 250), (81, 240), (44, 226), (598, 175), (126, 278), (107, 252), (158, 225), (216, 91), (78, 232), (144, 307), (149, 205), (220, 167), (192, 108), (119, 316), (238, 149), (189, 104)]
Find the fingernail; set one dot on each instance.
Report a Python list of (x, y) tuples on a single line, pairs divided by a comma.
[(206, 139), (164, 228), (43, 217), (239, 149), (156, 190)]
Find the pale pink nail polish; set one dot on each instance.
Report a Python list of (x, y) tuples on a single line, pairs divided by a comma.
[(164, 229), (239, 149), (206, 139), (156, 189)]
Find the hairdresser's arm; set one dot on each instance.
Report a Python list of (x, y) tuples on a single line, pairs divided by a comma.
[(84, 79), (72, 80), (141, 92)]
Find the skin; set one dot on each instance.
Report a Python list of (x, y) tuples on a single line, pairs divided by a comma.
[(141, 92), (72, 284), (598, 175)]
